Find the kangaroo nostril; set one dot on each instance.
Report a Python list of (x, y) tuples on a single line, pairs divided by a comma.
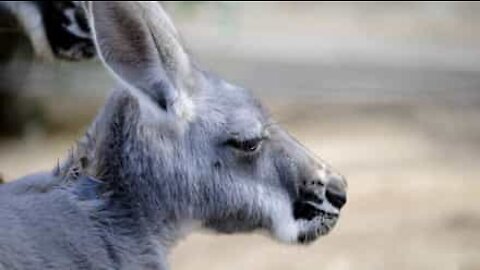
[(335, 193)]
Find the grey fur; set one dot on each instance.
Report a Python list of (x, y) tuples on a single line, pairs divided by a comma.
[(162, 155)]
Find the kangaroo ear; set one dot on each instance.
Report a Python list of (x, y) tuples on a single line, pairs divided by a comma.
[(139, 44)]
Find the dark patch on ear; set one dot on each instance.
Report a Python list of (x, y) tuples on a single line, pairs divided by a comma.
[(217, 165), (160, 91), (114, 22)]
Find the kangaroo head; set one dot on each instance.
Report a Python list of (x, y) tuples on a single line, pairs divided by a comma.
[(196, 148)]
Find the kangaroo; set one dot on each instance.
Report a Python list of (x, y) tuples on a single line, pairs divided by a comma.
[(54, 29), (32, 32), (175, 148)]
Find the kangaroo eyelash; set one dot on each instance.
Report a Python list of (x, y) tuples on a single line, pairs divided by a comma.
[(249, 146)]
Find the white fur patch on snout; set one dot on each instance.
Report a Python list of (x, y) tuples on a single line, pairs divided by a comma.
[(286, 230), (279, 208)]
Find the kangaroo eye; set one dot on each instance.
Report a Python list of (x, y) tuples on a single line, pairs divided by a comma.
[(248, 146)]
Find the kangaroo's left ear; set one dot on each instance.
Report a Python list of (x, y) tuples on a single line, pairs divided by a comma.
[(139, 44)]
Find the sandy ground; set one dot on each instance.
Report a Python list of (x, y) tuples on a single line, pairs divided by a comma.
[(414, 193)]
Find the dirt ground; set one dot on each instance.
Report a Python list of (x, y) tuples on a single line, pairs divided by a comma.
[(414, 193)]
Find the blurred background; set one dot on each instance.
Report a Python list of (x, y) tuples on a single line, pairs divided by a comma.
[(387, 93)]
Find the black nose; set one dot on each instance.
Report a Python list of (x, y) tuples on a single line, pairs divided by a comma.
[(335, 193)]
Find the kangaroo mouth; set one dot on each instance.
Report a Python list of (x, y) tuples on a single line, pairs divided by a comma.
[(314, 220), (308, 210)]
